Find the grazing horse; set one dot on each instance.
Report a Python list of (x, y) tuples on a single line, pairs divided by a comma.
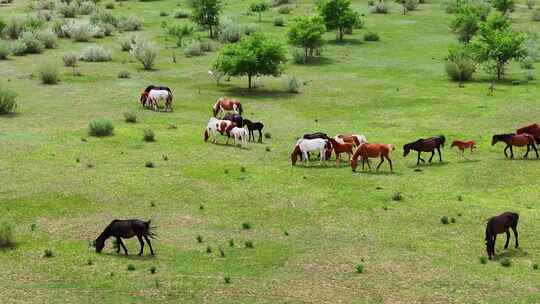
[(463, 145), (252, 126), (227, 104), (341, 147), (499, 224), (237, 119), (151, 99), (212, 129), (315, 135), (367, 151), (126, 229), (355, 139), (519, 140), (304, 146), (533, 129), (425, 145), (240, 136), (153, 87)]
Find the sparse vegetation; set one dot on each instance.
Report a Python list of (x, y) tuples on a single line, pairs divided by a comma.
[(48, 74), (7, 237), (130, 116), (145, 52), (148, 135), (70, 59), (506, 262), (8, 100), (100, 127), (96, 53)]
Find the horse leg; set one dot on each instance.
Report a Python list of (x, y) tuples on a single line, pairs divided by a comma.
[(380, 163), (149, 244), (511, 152), (337, 159), (514, 228), (432, 154), (493, 244), (390, 162), (260, 136), (419, 158), (119, 240), (141, 243), (507, 239), (368, 164), (527, 153), (535, 151), (118, 245), (440, 157)]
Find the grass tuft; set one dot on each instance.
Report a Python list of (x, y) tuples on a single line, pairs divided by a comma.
[(48, 253), (444, 220), (360, 268), (506, 262), (131, 267)]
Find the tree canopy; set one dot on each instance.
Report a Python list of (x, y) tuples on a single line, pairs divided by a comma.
[(206, 14), (307, 32), (338, 15)]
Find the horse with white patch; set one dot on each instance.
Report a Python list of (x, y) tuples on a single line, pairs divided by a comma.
[(152, 98), (304, 146), (212, 130), (355, 139)]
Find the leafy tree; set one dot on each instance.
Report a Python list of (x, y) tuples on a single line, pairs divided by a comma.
[(206, 14), (496, 44), (179, 32), (306, 32), (465, 23), (254, 55), (504, 6), (338, 15), (259, 8)]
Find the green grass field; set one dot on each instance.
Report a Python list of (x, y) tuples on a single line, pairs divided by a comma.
[(310, 226)]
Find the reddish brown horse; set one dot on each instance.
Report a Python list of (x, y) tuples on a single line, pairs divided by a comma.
[(519, 140), (227, 104), (463, 145), (499, 224), (354, 139), (367, 151), (341, 148), (533, 129), (425, 145)]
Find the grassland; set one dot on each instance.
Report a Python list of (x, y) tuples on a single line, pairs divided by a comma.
[(311, 226)]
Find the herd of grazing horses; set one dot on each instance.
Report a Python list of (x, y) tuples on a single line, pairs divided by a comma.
[(354, 145)]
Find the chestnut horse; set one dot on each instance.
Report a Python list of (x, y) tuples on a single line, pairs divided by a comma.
[(499, 224), (227, 104), (341, 147), (519, 140), (533, 129), (463, 145), (367, 150), (425, 145), (354, 139)]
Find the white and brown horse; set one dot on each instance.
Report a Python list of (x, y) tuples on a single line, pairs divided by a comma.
[(227, 104), (355, 139), (217, 126), (304, 146), (153, 97)]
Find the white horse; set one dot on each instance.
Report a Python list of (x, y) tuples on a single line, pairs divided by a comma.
[(306, 146), (240, 136), (154, 96), (212, 130)]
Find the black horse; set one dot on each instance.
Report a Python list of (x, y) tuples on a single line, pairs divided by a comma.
[(236, 118), (315, 135), (153, 87), (499, 224), (254, 126), (425, 145), (126, 229)]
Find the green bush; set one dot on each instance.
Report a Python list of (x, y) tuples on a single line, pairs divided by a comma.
[(18, 48), (208, 46), (8, 101), (48, 38), (58, 27), (536, 15), (4, 50), (32, 43), (444, 220), (109, 5), (506, 262), (87, 8), (193, 49), (131, 23), (292, 84), (7, 238), (80, 32), (145, 52), (181, 14), (278, 21), (100, 127), (230, 31), (131, 267), (380, 8), (130, 117), (48, 74), (70, 59), (14, 28), (2, 26), (67, 10), (96, 53), (285, 10), (104, 17), (124, 74), (460, 66), (360, 268), (531, 4), (483, 260), (148, 135), (48, 253), (281, 2), (371, 36)]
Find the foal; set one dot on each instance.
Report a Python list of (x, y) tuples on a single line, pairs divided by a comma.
[(519, 140), (499, 224), (254, 126), (341, 147), (463, 145), (126, 229), (425, 145), (367, 150)]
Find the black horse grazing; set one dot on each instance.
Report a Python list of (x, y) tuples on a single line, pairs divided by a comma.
[(153, 87), (316, 135), (252, 126), (237, 119), (499, 224), (126, 229), (425, 145)]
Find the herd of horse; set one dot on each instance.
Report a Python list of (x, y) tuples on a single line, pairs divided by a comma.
[(356, 146)]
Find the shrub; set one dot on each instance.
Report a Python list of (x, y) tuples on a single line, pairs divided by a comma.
[(44, 15), (130, 117), (249, 28), (131, 23), (58, 27), (371, 2), (153, 269), (48, 38), (230, 31), (18, 48), (483, 260), (278, 21), (124, 74), (179, 32), (410, 5), (444, 220), (231, 243), (4, 50), (380, 8), (80, 32), (267, 135), (460, 66), (371, 36), (109, 5), (506, 262), (131, 267), (48, 253), (148, 135), (281, 2), (535, 266), (6, 232), (104, 29), (199, 239), (208, 249), (359, 268), (193, 49), (67, 10), (285, 10), (536, 15), (292, 84), (87, 8), (181, 14), (70, 59), (126, 43), (103, 16), (299, 57), (248, 244), (397, 196), (531, 4), (227, 280), (48, 74), (32, 44), (246, 225), (207, 46), (145, 52), (14, 28), (95, 53), (163, 14), (149, 164), (221, 252), (100, 127)]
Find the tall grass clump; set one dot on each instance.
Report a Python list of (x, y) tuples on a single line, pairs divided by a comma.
[(148, 135), (8, 101), (67, 10), (48, 38), (32, 44), (48, 74), (130, 117), (460, 66), (87, 8), (380, 8), (100, 127), (104, 17), (193, 48), (70, 59), (79, 32), (145, 52), (181, 14), (14, 28), (96, 53), (371, 36), (7, 239), (18, 48), (4, 50), (131, 23), (536, 15), (292, 84), (230, 31)]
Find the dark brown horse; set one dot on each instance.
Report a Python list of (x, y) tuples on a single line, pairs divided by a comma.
[(533, 129), (519, 140), (236, 118), (499, 224), (367, 151), (227, 104), (126, 229), (425, 145)]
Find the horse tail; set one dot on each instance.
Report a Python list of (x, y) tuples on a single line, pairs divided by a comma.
[(240, 109), (150, 230), (443, 139), (206, 135)]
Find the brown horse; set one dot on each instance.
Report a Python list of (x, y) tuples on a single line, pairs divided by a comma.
[(519, 140), (339, 148), (367, 150), (227, 104), (126, 229), (533, 129), (463, 145), (354, 139), (499, 224), (425, 145)]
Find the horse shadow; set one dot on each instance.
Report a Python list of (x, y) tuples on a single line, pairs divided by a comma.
[(375, 172), (428, 165), (259, 92), (467, 161), (134, 257)]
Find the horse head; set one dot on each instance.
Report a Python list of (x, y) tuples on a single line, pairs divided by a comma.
[(495, 139), (406, 149), (143, 98), (294, 155), (328, 147)]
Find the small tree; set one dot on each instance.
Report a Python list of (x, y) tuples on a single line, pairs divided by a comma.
[(206, 14), (465, 23), (306, 32), (179, 32), (255, 55), (338, 15), (496, 44), (259, 8), (504, 6)]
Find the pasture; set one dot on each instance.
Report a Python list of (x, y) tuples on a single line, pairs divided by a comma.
[(243, 225)]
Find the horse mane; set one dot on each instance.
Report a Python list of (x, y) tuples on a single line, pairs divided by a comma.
[(443, 139), (503, 136)]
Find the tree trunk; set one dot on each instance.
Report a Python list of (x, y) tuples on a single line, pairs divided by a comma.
[(211, 32), (499, 71), (249, 81), (340, 38), (306, 55)]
